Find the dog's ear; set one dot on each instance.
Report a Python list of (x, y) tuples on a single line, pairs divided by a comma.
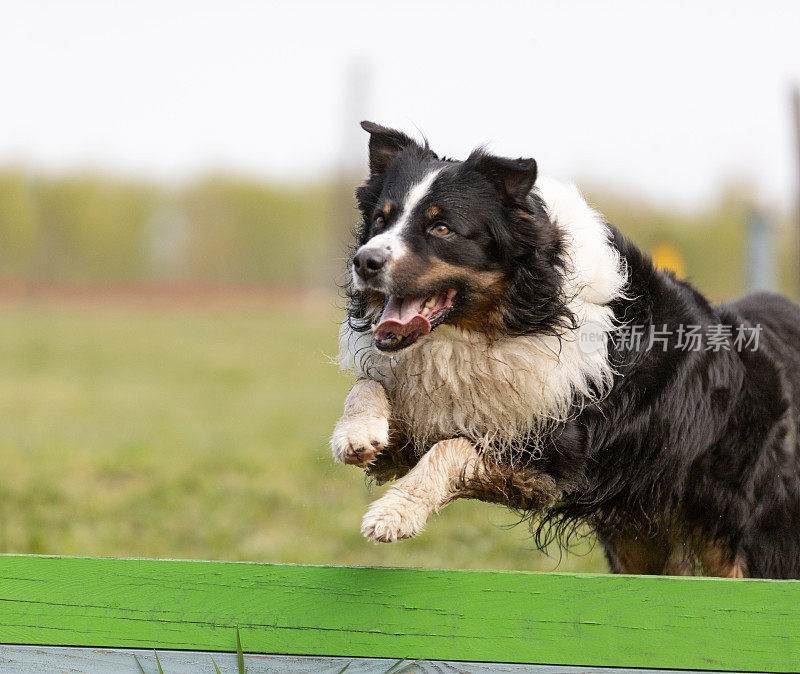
[(512, 178), (384, 145)]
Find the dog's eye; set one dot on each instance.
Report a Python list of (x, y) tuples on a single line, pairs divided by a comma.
[(441, 230)]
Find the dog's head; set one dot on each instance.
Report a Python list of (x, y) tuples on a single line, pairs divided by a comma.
[(461, 242)]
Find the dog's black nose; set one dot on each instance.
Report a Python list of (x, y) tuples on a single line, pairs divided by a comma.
[(369, 262)]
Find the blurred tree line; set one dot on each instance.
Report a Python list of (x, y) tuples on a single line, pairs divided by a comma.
[(88, 228), (95, 229), (711, 241)]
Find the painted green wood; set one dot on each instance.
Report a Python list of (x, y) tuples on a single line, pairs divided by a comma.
[(568, 619)]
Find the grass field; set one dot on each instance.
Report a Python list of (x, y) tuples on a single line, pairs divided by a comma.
[(200, 431)]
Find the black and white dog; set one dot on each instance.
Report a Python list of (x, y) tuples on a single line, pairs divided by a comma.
[(492, 324)]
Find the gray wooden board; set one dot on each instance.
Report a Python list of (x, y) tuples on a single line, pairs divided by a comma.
[(52, 659)]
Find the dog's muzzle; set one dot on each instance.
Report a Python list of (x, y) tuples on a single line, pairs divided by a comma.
[(369, 262)]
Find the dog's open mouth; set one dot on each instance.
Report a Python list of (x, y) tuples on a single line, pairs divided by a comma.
[(405, 319)]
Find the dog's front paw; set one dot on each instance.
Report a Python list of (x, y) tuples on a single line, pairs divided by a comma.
[(358, 440), (394, 516)]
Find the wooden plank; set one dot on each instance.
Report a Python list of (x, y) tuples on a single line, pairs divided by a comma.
[(55, 659), (558, 619)]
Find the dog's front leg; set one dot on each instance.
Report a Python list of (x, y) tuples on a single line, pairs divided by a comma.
[(436, 480), (363, 430)]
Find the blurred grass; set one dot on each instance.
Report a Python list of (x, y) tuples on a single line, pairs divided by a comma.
[(201, 432)]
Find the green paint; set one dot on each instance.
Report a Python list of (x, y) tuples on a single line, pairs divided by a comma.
[(603, 620)]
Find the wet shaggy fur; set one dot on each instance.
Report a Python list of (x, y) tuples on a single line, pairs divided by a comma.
[(681, 461)]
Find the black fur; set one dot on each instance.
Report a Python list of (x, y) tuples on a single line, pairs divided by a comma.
[(694, 445), (691, 452)]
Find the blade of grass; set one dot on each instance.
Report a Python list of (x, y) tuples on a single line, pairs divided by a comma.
[(239, 653), (141, 669), (343, 669), (158, 662), (393, 668), (216, 667)]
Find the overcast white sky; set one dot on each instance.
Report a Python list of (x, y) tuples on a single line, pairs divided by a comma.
[(668, 100)]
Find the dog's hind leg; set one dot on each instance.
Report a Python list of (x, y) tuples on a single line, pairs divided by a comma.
[(434, 482), (636, 554), (665, 554), (717, 559)]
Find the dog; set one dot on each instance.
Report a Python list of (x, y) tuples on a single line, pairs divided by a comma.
[(490, 324)]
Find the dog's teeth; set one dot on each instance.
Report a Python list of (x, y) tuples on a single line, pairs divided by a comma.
[(431, 302)]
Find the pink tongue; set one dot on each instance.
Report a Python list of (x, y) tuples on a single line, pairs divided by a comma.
[(402, 316)]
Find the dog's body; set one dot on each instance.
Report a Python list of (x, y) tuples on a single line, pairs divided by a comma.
[(474, 288)]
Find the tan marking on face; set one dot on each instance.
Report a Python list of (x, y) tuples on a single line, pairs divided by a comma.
[(387, 209), (435, 271), (489, 288), (487, 315), (433, 212)]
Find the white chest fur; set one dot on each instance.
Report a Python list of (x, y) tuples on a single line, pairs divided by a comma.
[(456, 383)]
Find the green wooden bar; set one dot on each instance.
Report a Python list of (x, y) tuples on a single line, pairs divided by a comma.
[(488, 616)]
